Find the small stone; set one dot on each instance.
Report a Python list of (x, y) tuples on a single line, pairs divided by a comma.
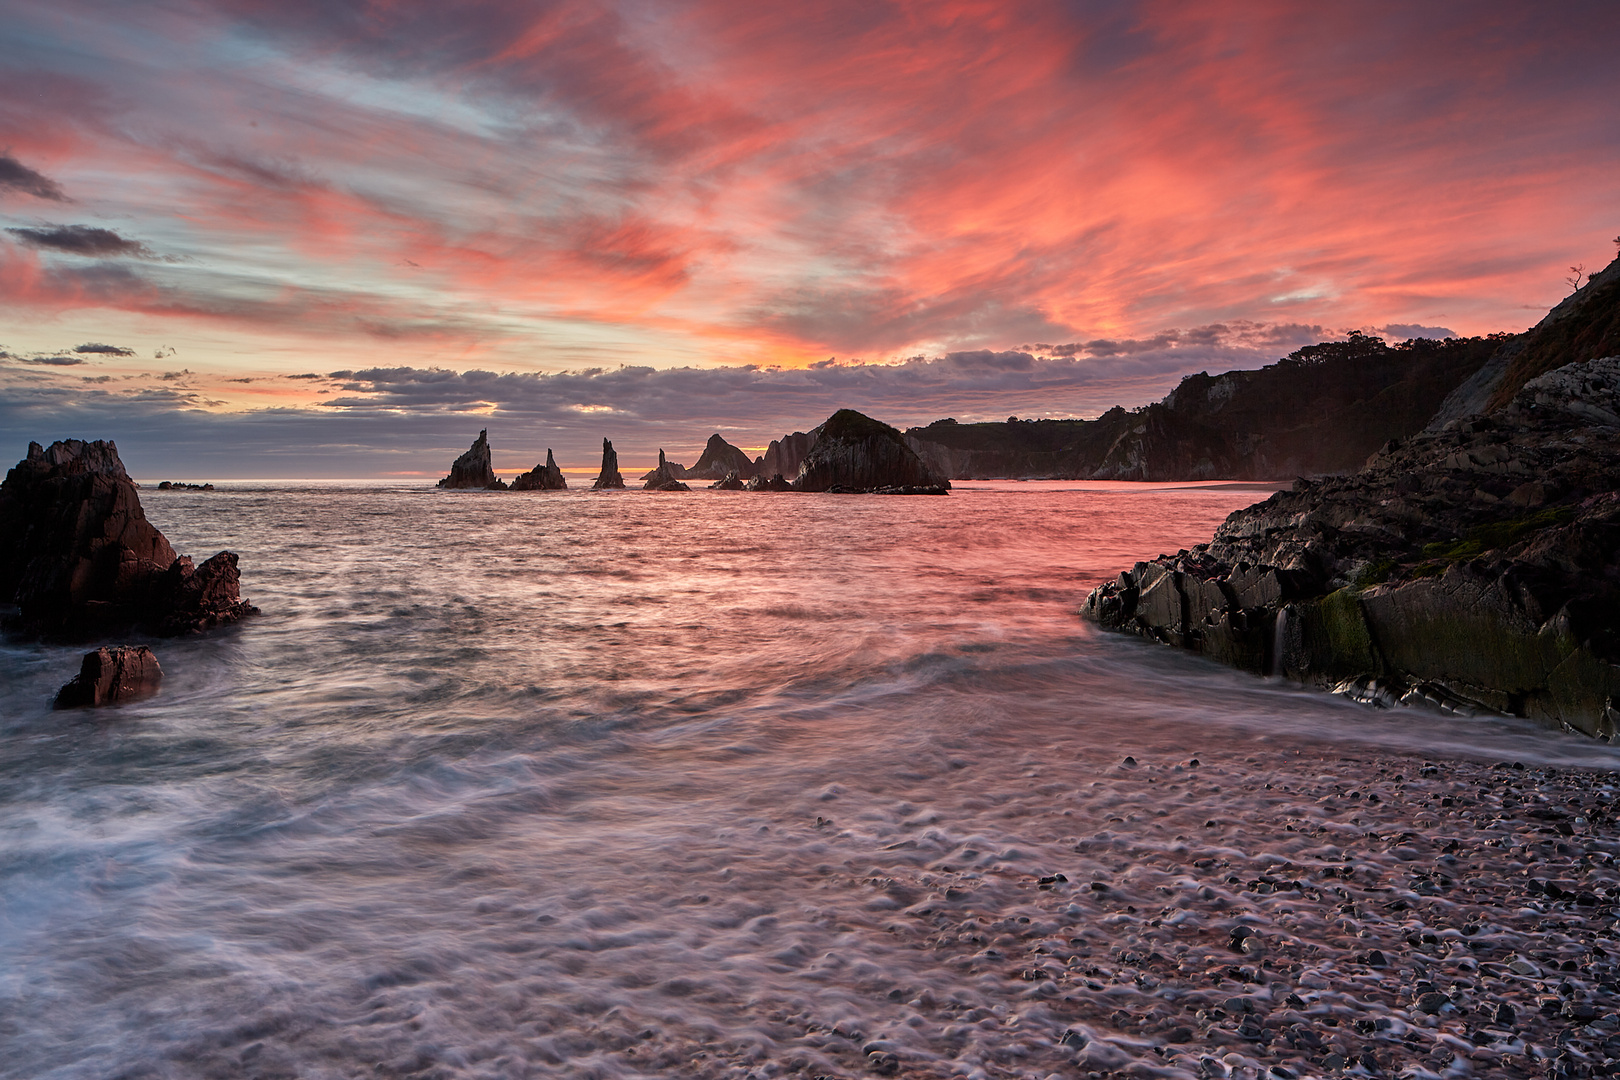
[(883, 1063), (1376, 958), (1333, 1062), (1521, 966), (1505, 1016), (1129, 763), (1432, 1003), (1074, 1039)]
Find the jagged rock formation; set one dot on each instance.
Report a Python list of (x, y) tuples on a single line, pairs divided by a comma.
[(78, 556), (664, 470), (784, 456), (176, 485), (609, 476), (110, 675), (662, 478), (544, 477), (473, 469), (1477, 566), (730, 482), (856, 453), (720, 459), (1322, 409), (775, 483)]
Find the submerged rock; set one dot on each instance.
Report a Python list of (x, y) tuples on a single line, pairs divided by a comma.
[(856, 453), (1476, 567), (545, 477), (473, 469), (111, 675), (77, 554), (609, 476), (663, 478), (178, 485)]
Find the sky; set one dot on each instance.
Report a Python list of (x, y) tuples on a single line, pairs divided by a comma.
[(281, 238)]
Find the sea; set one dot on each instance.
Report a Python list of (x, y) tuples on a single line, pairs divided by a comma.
[(598, 784)]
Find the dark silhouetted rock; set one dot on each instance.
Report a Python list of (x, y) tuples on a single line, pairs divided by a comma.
[(78, 556), (720, 459), (176, 485), (110, 675), (663, 473), (473, 469), (785, 455), (1473, 567), (775, 483), (858, 454), (730, 482), (546, 477), (662, 478), (609, 476)]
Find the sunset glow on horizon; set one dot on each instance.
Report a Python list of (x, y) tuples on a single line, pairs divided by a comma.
[(369, 229)]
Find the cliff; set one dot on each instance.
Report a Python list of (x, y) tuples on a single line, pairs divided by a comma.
[(1473, 567), (77, 555), (1322, 409), (784, 456), (856, 453), (473, 469), (543, 477)]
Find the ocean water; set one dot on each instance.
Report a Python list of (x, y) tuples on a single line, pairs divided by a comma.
[(600, 784)]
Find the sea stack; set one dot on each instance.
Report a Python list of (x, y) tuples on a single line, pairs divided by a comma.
[(111, 675), (473, 469), (663, 478), (856, 453), (609, 476), (546, 477), (720, 459), (78, 556)]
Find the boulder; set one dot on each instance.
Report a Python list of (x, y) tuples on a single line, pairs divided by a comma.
[(111, 675), (609, 476), (857, 454), (720, 459), (663, 478), (545, 477), (473, 469), (760, 483), (730, 482), (1476, 566), (77, 555)]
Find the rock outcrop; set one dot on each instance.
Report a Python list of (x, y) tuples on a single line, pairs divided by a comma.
[(856, 453), (729, 482), (776, 482), (784, 456), (473, 469), (609, 476), (662, 478), (77, 555), (111, 675), (719, 460), (543, 477), (1473, 567)]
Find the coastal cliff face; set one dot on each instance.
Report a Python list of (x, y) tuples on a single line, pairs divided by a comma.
[(544, 477), (474, 469), (1322, 409), (858, 453), (77, 554), (1473, 567), (785, 456), (609, 476)]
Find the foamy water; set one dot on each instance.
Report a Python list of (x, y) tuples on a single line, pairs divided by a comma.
[(616, 784)]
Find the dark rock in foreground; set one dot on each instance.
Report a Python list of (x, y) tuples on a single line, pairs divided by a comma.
[(663, 478), (111, 675), (473, 469), (545, 477), (176, 485), (1474, 567), (78, 556), (609, 476), (730, 482), (856, 453)]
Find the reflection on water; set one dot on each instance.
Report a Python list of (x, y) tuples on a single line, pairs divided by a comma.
[(518, 784)]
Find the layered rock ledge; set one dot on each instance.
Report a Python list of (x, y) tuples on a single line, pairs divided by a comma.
[(1476, 567), (77, 555)]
